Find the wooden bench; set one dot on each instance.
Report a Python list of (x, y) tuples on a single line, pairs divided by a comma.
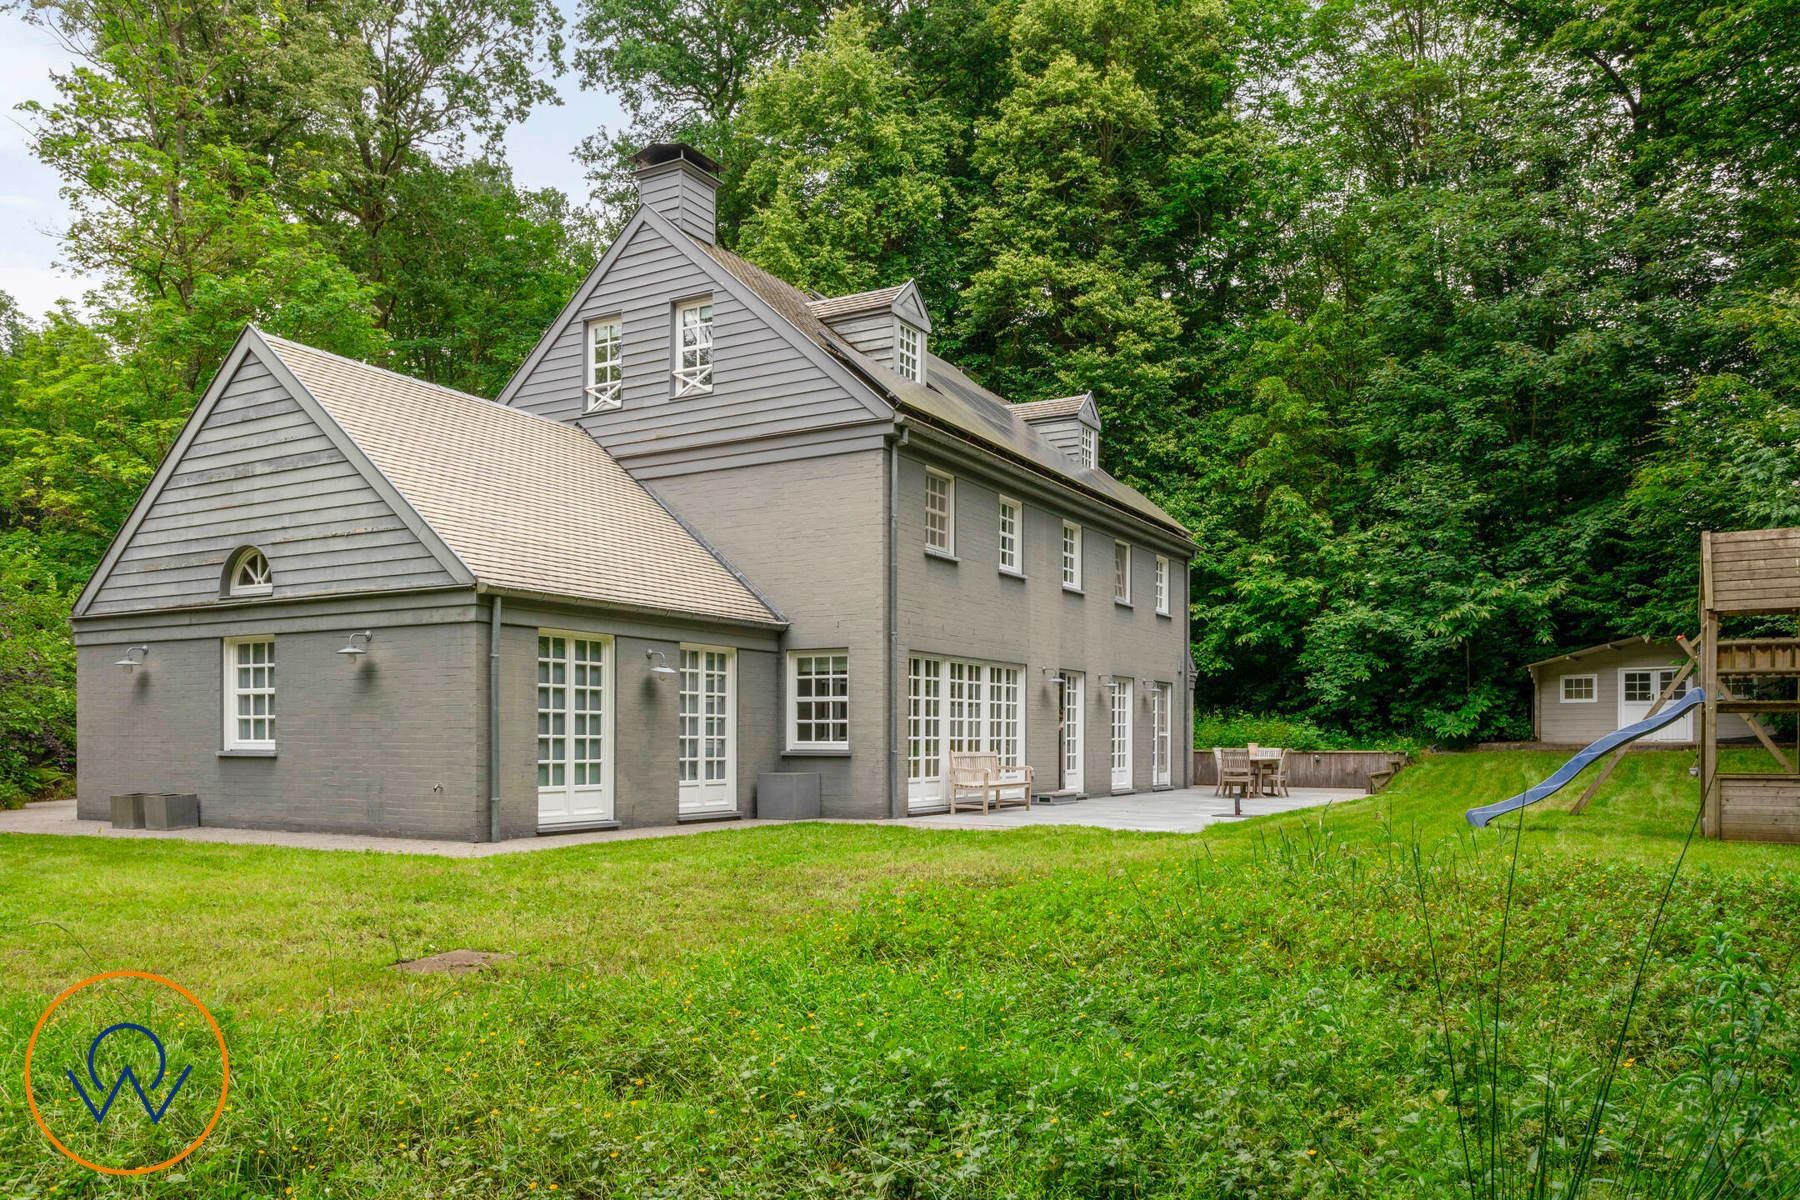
[(980, 780)]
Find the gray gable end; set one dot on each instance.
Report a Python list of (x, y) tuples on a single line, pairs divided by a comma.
[(257, 466), (769, 382)]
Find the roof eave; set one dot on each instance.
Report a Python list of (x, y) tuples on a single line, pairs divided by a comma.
[(684, 615)]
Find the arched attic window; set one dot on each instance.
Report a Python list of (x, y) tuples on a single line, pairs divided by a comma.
[(247, 573)]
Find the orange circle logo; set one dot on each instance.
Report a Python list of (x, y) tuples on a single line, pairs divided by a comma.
[(99, 1098)]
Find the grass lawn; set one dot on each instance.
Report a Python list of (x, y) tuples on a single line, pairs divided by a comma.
[(829, 1010)]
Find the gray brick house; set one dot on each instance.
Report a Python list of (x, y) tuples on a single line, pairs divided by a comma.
[(713, 528)]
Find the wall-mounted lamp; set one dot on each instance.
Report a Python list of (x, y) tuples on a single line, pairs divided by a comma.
[(1107, 681), (134, 657), (659, 663), (1052, 675), (358, 643)]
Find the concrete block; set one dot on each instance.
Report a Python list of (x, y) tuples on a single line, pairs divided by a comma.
[(171, 810), (787, 795)]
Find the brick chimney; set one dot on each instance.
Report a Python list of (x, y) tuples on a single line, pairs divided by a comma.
[(681, 184)]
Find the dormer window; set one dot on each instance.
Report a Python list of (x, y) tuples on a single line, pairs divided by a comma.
[(606, 364), (1090, 448), (909, 351), (249, 574), (694, 343)]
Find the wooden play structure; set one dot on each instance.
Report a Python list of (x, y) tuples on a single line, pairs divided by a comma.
[(1754, 573)]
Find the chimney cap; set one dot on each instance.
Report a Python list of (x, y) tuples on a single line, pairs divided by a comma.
[(658, 153)]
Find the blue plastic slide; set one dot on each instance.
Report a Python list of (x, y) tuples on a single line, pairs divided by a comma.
[(1569, 770)]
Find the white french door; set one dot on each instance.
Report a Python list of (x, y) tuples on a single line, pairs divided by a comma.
[(707, 750), (954, 706), (1119, 693), (1638, 689), (574, 732), (1161, 739), (1074, 729)]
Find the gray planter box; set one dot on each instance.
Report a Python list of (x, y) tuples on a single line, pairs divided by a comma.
[(787, 796), (168, 810), (128, 811)]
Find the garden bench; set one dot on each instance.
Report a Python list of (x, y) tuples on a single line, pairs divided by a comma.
[(981, 779)]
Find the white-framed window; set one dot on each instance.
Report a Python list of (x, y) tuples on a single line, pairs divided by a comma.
[(1580, 689), (1119, 694), (250, 693), (909, 351), (1073, 734), (1121, 572), (694, 347), (1090, 447), (249, 574), (1011, 518), (1071, 556), (1162, 585), (960, 707), (605, 364), (819, 700), (1162, 697), (940, 511), (924, 720)]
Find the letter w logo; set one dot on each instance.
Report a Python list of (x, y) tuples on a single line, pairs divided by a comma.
[(153, 1111)]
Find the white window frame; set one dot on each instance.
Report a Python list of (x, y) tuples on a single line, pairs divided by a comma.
[(915, 370), (1122, 574), (693, 370), (1119, 733), (959, 706), (1071, 750), (1090, 447), (1071, 556), (232, 692), (569, 802), (1010, 525), (605, 377), (948, 512), (696, 729), (1162, 740), (265, 583), (1593, 696), (797, 744), (1162, 585)]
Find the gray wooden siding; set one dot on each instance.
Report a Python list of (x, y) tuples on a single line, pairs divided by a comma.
[(1065, 435), (764, 387), (683, 199), (259, 472), (872, 333)]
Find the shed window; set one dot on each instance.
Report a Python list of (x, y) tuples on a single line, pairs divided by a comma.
[(606, 364), (694, 337), (940, 512), (1578, 689), (819, 700), (249, 575), (250, 693)]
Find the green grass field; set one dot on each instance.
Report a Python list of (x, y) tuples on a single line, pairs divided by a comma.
[(829, 1010)]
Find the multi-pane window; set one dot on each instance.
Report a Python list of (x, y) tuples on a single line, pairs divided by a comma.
[(250, 694), (1162, 585), (694, 343), (1090, 447), (1122, 572), (571, 712), (1072, 730), (250, 575), (820, 710), (924, 714), (1161, 743), (1010, 514), (1071, 555), (1119, 693), (940, 512), (967, 730), (1006, 729), (605, 364), (705, 715), (909, 352), (1578, 689)]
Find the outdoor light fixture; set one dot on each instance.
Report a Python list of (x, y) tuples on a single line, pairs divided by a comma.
[(1052, 675), (358, 643), (659, 662), (1108, 680), (134, 657)]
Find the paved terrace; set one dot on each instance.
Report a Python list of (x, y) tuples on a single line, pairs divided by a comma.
[(1184, 810)]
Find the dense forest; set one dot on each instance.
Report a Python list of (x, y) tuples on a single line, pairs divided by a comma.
[(1445, 326)]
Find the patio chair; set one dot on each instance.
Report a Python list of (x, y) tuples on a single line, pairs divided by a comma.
[(1218, 773), (1278, 778), (1237, 776), (981, 780)]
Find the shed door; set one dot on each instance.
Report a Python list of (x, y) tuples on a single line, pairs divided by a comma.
[(1638, 689)]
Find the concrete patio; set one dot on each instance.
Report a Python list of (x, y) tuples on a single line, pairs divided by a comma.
[(1186, 810)]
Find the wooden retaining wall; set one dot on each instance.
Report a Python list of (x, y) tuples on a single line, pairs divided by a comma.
[(1317, 768), (1759, 808)]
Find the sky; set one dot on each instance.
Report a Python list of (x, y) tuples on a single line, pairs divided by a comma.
[(33, 215)]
